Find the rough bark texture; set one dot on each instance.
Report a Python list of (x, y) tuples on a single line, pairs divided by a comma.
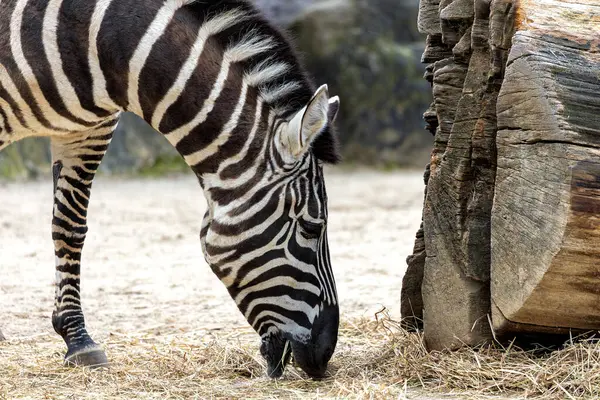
[(546, 215), (511, 219)]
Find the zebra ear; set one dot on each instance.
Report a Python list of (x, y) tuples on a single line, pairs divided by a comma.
[(306, 125), (334, 107)]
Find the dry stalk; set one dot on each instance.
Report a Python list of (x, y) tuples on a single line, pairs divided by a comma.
[(375, 359)]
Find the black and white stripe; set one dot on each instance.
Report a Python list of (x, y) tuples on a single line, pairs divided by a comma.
[(226, 89)]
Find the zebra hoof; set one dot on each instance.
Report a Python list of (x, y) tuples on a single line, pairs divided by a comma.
[(87, 357)]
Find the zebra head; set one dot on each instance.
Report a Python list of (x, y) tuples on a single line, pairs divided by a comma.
[(265, 237)]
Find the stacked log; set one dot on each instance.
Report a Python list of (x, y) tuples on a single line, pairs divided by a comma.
[(510, 240)]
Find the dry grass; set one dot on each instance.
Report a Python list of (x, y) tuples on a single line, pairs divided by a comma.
[(375, 359)]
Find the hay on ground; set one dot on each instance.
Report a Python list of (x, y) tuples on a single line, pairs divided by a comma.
[(374, 359)]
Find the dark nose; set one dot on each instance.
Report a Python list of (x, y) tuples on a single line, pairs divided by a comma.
[(314, 355)]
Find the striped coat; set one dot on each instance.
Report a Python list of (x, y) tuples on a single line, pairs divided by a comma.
[(228, 92)]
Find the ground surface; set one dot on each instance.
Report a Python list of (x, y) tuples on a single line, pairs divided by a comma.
[(172, 332), (143, 267), (145, 283)]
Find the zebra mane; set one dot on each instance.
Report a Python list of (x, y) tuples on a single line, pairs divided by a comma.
[(286, 92), (326, 147)]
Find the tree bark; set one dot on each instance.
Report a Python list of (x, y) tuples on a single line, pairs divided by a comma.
[(511, 217)]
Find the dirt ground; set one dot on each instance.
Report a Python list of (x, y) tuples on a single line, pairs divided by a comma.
[(170, 329), (143, 269)]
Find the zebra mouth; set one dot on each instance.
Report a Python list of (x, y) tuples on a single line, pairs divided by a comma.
[(277, 362), (277, 351), (312, 354), (276, 370), (278, 354)]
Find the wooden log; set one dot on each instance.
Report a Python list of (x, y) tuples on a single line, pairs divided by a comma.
[(411, 303), (545, 263), (511, 218), (467, 73), (457, 213)]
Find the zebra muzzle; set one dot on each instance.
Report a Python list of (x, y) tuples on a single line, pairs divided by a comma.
[(277, 351), (313, 355)]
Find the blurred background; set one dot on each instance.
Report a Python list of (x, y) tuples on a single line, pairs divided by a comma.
[(367, 51)]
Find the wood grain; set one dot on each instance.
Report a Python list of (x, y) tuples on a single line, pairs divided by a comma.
[(546, 217), (511, 217), (467, 50)]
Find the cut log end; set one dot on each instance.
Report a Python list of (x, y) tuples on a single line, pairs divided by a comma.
[(511, 220)]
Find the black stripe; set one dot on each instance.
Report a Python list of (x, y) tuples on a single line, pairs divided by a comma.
[(13, 106), (196, 91), (266, 322), (261, 194), (25, 92), (69, 281), (33, 49), (83, 174), (235, 170), (7, 60), (123, 27), (284, 270), (297, 316), (73, 44), (269, 209), (166, 59), (236, 141), (73, 255), (251, 243), (278, 291), (6, 123), (76, 184), (74, 218)]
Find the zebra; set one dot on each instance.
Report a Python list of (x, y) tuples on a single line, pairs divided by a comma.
[(230, 93)]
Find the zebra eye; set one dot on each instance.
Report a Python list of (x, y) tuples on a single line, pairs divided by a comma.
[(310, 230)]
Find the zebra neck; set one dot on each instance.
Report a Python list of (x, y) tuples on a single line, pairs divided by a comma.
[(227, 136), (211, 82)]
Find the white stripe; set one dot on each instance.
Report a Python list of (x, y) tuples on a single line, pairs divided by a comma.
[(287, 303), (277, 281), (63, 85), (251, 171), (300, 333), (272, 94), (11, 118), (177, 135), (16, 48), (26, 112), (246, 48), (221, 139), (140, 56), (2, 121), (235, 266), (258, 271), (251, 214), (265, 71), (210, 28), (240, 156), (101, 97)]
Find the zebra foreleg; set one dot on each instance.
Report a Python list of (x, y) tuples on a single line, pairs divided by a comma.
[(75, 162)]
